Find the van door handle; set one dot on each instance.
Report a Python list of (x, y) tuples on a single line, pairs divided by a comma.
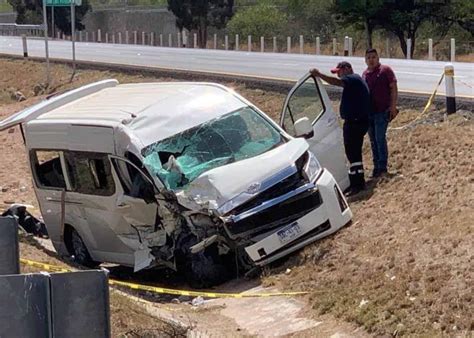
[(123, 206)]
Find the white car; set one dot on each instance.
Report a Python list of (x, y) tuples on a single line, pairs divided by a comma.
[(189, 176)]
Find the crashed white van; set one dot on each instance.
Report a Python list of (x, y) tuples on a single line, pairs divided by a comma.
[(189, 176)]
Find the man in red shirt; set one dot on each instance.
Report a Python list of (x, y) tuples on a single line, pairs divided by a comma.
[(383, 96)]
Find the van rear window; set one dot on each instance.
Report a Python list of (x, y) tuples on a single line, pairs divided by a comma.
[(48, 169)]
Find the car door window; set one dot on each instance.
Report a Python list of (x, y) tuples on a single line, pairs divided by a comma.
[(134, 182), (304, 101), (89, 173), (48, 170)]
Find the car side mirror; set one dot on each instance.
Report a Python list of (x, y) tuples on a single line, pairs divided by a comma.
[(303, 128)]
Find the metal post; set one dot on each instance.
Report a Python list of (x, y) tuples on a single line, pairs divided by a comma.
[(143, 38), (334, 46), (45, 24), (170, 40), (215, 41), (350, 46), (73, 37), (25, 47), (318, 46), (152, 38), (288, 44), (346, 45), (195, 39), (120, 38), (53, 28), (301, 44), (237, 42), (453, 50), (226, 42), (450, 93), (262, 44), (408, 49), (249, 43), (430, 49), (275, 48), (99, 36)]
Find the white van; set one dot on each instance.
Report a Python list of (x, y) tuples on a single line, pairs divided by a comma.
[(189, 176)]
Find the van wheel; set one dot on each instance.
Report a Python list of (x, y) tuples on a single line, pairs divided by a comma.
[(205, 269), (79, 251)]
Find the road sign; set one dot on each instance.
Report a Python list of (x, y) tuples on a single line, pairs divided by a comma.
[(63, 3)]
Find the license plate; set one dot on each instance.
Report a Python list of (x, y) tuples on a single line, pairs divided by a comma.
[(289, 233)]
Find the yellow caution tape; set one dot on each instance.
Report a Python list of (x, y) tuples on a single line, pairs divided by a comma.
[(160, 290), (449, 72), (464, 83), (428, 104)]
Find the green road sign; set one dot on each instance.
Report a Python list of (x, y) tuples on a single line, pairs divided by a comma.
[(63, 3)]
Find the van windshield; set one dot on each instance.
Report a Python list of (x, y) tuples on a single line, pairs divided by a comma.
[(180, 159)]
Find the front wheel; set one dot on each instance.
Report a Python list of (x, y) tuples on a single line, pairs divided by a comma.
[(79, 251)]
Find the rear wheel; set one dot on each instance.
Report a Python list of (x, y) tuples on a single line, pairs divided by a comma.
[(79, 251)]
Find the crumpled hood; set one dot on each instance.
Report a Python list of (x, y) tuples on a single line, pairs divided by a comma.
[(226, 187)]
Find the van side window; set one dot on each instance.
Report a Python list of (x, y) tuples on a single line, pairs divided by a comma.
[(134, 183), (47, 165), (89, 173)]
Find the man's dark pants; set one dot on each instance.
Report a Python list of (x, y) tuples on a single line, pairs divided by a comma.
[(378, 123), (353, 133)]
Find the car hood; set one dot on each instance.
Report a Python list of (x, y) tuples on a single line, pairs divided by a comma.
[(225, 188)]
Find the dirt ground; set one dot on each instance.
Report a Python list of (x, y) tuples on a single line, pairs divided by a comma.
[(404, 266)]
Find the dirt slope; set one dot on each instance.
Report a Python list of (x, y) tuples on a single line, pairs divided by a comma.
[(404, 266)]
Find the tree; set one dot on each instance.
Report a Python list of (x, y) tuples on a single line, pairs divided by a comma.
[(31, 12), (311, 17), (362, 13), (263, 19), (200, 14)]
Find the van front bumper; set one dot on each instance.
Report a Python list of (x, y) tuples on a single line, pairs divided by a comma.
[(331, 215)]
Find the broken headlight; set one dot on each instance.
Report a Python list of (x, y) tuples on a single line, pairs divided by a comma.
[(312, 168)]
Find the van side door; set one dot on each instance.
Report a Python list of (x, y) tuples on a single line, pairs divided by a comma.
[(309, 99)]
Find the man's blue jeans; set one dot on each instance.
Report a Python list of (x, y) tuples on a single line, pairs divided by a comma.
[(378, 123)]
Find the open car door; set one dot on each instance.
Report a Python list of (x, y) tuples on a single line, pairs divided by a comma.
[(308, 99)]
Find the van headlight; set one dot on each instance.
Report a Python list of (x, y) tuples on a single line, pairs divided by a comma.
[(312, 168)]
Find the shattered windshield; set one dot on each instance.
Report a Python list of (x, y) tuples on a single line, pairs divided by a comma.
[(180, 159)]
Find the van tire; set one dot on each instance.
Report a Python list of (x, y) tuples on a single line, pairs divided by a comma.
[(79, 251), (205, 269)]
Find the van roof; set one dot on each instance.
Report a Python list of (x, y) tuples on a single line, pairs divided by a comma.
[(154, 111)]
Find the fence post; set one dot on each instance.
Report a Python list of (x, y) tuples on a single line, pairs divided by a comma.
[(215, 41), (93, 36), (106, 37), (80, 36), (152, 38), (350, 46), (143, 38), (87, 36), (249, 43), (430, 49), (262, 44), (408, 49), (288, 44), (127, 38), (346, 45), (170, 40), (113, 38), (99, 35), (450, 93), (195, 39), (179, 40), (301, 44), (334, 46), (453, 50), (135, 37), (318, 46), (237, 42), (161, 40), (25, 47), (275, 47), (226, 42)]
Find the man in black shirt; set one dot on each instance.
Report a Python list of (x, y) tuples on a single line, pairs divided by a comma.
[(354, 109)]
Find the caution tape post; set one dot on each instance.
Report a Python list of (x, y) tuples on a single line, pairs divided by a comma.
[(450, 94)]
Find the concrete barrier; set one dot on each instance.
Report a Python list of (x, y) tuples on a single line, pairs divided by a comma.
[(9, 249)]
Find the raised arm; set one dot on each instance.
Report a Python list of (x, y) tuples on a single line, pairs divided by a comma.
[(329, 79)]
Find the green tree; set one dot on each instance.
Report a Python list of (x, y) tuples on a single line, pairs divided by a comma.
[(31, 12), (262, 19), (311, 17), (200, 14)]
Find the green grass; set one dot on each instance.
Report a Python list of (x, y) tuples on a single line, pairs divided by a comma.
[(5, 7)]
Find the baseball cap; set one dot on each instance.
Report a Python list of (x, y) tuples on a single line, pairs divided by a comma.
[(340, 65)]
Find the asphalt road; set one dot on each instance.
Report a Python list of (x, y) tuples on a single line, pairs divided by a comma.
[(416, 76)]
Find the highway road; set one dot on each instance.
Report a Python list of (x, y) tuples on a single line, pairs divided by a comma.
[(416, 76)]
